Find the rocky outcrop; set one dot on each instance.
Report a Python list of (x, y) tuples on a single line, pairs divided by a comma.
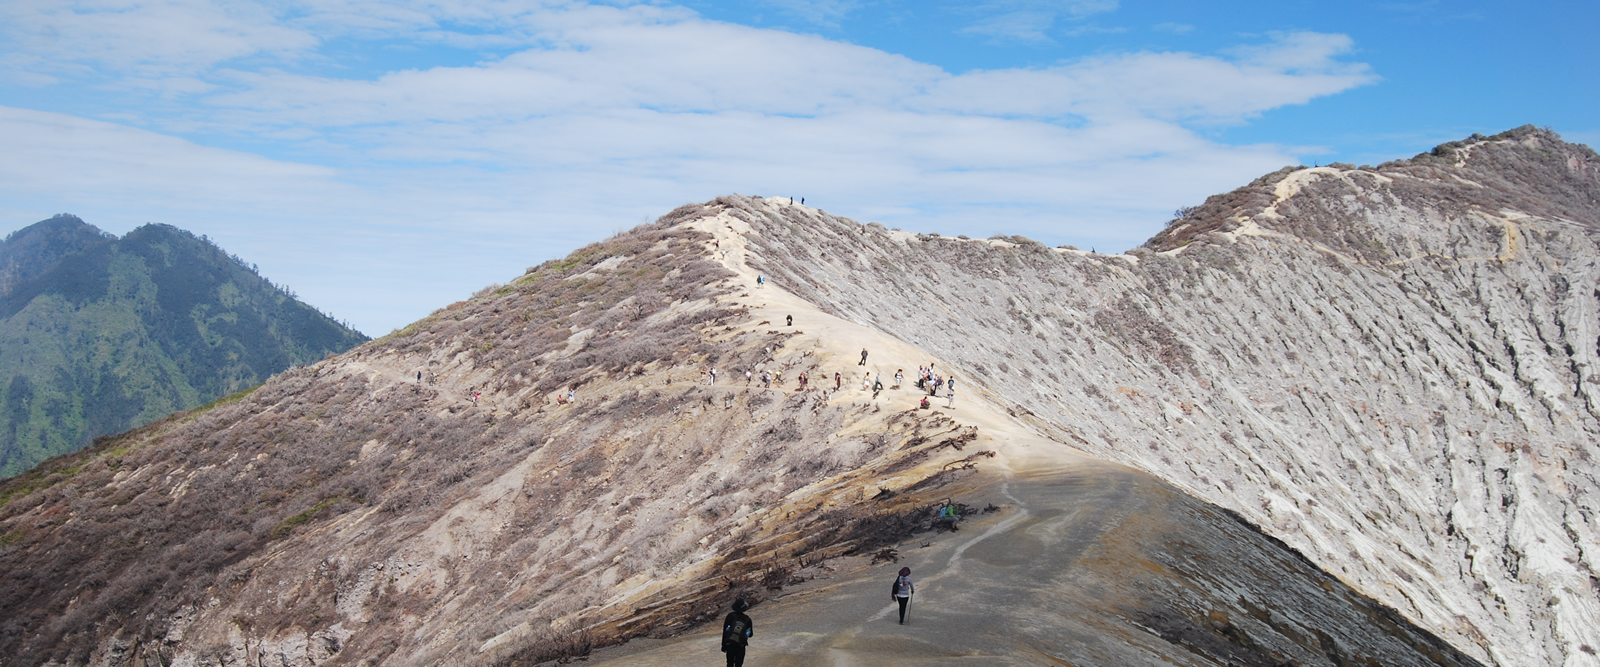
[(1392, 369)]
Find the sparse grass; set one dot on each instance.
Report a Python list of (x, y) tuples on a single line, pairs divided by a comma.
[(284, 527)]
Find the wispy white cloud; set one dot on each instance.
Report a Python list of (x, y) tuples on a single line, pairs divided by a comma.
[(1174, 28), (820, 12), (445, 178), (164, 38), (1032, 21)]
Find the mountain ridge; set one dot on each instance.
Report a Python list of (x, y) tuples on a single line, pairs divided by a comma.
[(348, 511), (1418, 286)]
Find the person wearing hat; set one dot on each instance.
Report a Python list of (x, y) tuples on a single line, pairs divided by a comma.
[(737, 629), (902, 591)]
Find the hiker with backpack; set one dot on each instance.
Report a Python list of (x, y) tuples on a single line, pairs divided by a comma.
[(737, 629), (902, 591)]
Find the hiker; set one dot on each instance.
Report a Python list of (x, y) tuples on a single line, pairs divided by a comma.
[(863, 357), (711, 377), (766, 379), (475, 396), (924, 404), (899, 378), (951, 394), (737, 629), (950, 514), (419, 377), (802, 201), (761, 280), (866, 381), (803, 380), (902, 591), (747, 376), (788, 320), (571, 392)]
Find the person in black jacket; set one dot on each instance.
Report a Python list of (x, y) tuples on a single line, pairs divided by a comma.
[(902, 590), (737, 629)]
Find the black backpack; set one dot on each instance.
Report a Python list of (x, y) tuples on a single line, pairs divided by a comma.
[(734, 633)]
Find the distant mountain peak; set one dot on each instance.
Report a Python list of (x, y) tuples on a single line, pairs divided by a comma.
[(99, 334), (1524, 171)]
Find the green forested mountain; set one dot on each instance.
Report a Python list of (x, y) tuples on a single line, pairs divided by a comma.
[(100, 334)]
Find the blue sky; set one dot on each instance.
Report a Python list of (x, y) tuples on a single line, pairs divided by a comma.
[(387, 158)]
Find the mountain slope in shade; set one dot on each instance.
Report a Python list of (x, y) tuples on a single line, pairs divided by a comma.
[(99, 334)]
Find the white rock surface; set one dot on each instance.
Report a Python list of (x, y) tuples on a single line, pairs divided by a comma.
[(1395, 372)]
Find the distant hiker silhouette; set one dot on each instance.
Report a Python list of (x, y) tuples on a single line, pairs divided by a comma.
[(902, 591), (737, 629), (838, 380), (789, 320), (863, 358)]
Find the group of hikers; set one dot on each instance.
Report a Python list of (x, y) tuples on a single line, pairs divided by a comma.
[(927, 380), (738, 628)]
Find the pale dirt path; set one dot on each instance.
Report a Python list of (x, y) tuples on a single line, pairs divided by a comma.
[(842, 622), (836, 344), (972, 587)]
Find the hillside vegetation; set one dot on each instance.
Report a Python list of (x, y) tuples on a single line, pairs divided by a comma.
[(100, 334)]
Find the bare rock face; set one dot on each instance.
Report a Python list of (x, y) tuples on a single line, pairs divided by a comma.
[(1394, 370)]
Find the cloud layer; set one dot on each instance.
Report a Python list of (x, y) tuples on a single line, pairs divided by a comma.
[(572, 119)]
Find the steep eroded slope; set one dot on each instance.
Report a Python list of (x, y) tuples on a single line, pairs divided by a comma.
[(1394, 370)]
